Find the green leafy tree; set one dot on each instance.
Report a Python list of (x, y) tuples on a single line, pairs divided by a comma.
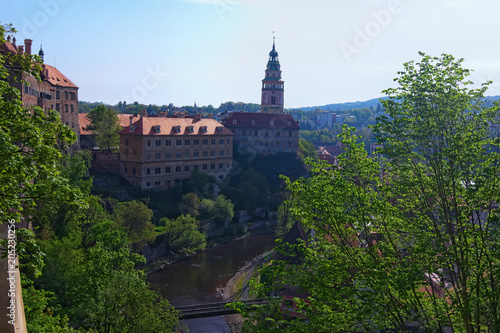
[(135, 217), (182, 234), (190, 204), (307, 150), (220, 209), (30, 143), (414, 245), (105, 125)]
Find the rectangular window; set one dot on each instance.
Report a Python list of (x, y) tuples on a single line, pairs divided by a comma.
[(212, 142), (228, 153), (289, 133), (186, 142), (126, 142), (228, 141), (133, 171), (66, 95), (157, 156), (256, 133), (157, 170), (72, 108), (177, 181), (149, 156), (278, 133), (212, 153), (167, 155), (204, 166), (196, 154), (58, 107), (73, 96), (149, 143), (221, 165), (158, 143), (177, 169), (178, 154), (195, 167), (126, 170), (167, 169), (58, 95), (196, 142), (168, 142), (212, 166), (186, 168), (148, 171), (221, 153), (289, 144), (205, 141), (186, 154), (221, 141), (205, 154), (178, 142)]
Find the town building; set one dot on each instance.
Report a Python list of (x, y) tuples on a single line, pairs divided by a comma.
[(160, 152), (264, 133), (87, 138), (53, 92), (271, 131)]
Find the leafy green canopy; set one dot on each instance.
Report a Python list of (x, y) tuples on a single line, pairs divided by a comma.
[(30, 142), (410, 240)]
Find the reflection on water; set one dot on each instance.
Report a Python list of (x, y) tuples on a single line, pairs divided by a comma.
[(199, 278)]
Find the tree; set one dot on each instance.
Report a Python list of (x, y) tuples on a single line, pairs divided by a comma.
[(411, 240), (307, 150), (135, 217), (105, 125), (190, 204), (182, 234), (30, 143)]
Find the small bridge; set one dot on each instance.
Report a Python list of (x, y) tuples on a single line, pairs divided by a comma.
[(212, 309)]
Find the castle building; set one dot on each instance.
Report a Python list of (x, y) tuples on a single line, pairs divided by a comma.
[(271, 131), (160, 152), (272, 85), (55, 91)]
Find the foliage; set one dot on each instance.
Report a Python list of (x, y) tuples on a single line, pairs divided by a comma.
[(30, 142), (190, 204), (220, 209), (307, 150), (414, 245), (135, 217), (105, 125), (181, 234)]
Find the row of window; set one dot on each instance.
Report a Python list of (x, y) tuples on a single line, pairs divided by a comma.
[(187, 154), (177, 181), (265, 133), (187, 142), (178, 169), (67, 107), (267, 143), (67, 95)]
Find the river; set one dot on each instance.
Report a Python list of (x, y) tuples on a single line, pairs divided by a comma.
[(200, 278)]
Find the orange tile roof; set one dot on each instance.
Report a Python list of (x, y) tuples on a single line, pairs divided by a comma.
[(123, 119), (145, 126), (56, 78)]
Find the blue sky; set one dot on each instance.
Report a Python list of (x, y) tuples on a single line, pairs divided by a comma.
[(213, 51)]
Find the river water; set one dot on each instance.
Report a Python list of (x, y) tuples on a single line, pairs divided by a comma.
[(200, 278)]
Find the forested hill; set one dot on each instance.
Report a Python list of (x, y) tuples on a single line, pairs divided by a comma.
[(368, 104)]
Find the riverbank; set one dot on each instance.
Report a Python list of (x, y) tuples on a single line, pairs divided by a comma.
[(163, 262), (237, 288)]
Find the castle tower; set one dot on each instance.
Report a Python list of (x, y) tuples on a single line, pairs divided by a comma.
[(272, 86)]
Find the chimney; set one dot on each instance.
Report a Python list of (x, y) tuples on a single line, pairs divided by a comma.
[(8, 38), (14, 41), (162, 114), (197, 117), (20, 49), (144, 113), (131, 120), (27, 46)]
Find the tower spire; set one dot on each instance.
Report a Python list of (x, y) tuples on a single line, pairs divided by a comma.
[(272, 85)]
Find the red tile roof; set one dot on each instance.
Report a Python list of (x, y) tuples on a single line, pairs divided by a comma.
[(146, 126), (56, 78), (123, 118), (260, 120), (8, 47)]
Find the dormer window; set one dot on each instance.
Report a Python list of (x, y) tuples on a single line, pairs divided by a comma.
[(235, 122), (271, 123), (253, 122), (190, 129), (132, 128), (289, 123), (203, 129), (219, 128), (157, 129), (177, 129)]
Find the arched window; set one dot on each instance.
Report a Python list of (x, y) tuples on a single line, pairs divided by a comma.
[(271, 123), (234, 122), (253, 122)]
